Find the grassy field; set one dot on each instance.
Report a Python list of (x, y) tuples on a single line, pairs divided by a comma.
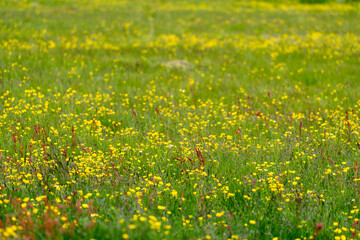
[(179, 120)]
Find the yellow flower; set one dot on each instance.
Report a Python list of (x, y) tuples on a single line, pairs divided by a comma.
[(220, 214), (161, 207), (174, 193)]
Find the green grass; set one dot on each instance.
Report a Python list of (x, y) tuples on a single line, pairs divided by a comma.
[(257, 139)]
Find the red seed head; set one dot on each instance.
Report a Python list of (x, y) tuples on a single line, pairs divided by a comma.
[(319, 226)]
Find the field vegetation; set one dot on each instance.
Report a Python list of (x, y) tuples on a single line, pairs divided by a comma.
[(179, 119)]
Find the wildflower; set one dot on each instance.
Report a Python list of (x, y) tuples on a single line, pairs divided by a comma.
[(220, 214), (161, 207)]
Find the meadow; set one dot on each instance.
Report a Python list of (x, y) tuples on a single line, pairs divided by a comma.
[(179, 119)]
